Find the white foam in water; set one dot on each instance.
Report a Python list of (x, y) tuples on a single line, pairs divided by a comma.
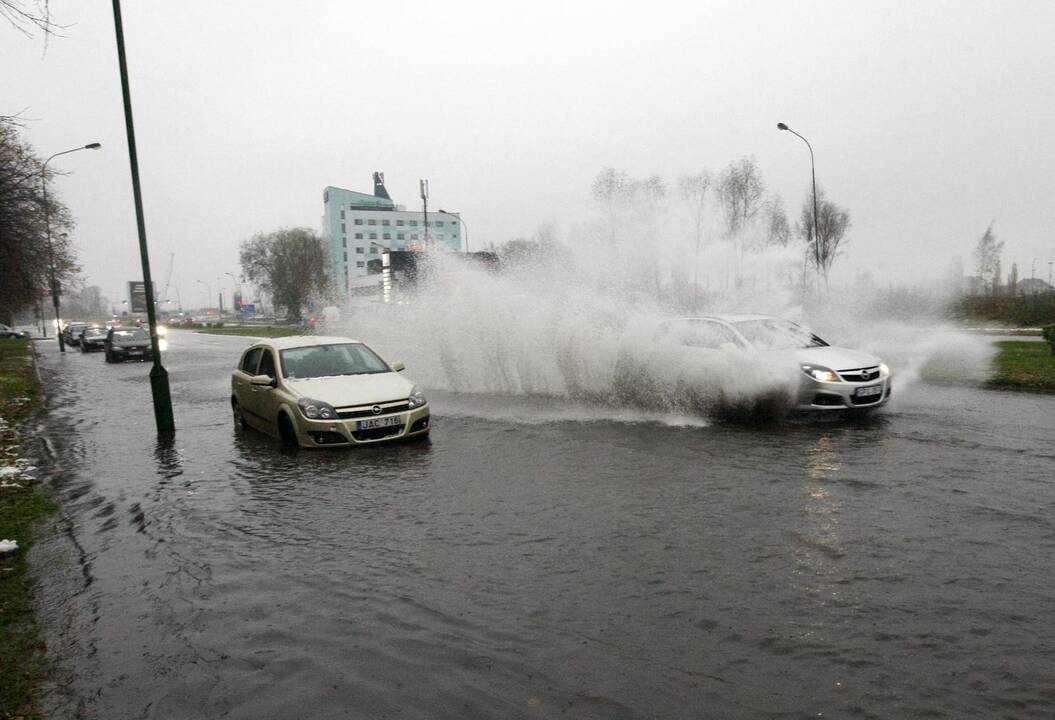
[(565, 323)]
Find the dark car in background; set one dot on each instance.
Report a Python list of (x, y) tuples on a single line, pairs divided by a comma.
[(71, 333), (126, 343), (92, 337)]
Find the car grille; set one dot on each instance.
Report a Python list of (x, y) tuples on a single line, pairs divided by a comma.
[(860, 374), (378, 433), (359, 411)]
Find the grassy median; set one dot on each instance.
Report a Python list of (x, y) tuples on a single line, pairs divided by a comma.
[(21, 506), (268, 331), (1024, 365)]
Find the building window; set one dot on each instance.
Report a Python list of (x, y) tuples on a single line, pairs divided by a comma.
[(342, 229), (358, 221), (413, 236), (400, 236), (360, 264), (413, 223), (371, 222), (344, 242), (385, 222), (346, 256), (373, 236), (386, 236), (358, 236), (359, 251), (438, 223), (342, 214), (373, 250), (399, 223)]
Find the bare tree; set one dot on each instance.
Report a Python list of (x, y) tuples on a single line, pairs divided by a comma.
[(778, 229), (694, 190), (740, 190), (987, 256), (24, 256), (832, 224), (289, 264), (28, 16)]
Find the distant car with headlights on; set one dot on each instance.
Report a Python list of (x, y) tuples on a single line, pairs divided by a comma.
[(71, 333), (126, 343), (92, 338), (325, 392), (752, 355)]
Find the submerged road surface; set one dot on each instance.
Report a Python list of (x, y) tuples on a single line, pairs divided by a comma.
[(540, 559)]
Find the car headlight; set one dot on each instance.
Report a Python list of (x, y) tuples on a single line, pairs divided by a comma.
[(884, 371), (316, 409), (818, 372), (162, 331), (417, 398)]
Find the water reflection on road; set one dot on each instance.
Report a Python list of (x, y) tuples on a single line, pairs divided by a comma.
[(539, 558)]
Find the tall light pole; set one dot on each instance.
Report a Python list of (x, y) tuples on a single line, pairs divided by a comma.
[(47, 229), (159, 377), (464, 226), (813, 174)]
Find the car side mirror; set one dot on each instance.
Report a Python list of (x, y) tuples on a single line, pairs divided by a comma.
[(264, 380), (398, 366)]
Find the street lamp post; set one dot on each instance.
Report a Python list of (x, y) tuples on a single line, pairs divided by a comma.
[(464, 226), (47, 230), (813, 174), (236, 288)]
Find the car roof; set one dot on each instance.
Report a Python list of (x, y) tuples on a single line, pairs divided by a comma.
[(730, 318), (296, 341)]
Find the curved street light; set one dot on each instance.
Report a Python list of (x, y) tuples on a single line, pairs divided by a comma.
[(47, 230), (813, 174), (464, 226)]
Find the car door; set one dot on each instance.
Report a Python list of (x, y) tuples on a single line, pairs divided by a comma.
[(241, 386), (264, 397)]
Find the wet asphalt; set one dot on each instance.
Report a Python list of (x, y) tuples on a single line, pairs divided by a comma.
[(540, 559)]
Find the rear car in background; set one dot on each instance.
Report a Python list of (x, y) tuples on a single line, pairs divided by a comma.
[(325, 392), (126, 343), (71, 333), (92, 338)]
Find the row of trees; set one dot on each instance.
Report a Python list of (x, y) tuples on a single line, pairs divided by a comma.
[(749, 217), (24, 256)]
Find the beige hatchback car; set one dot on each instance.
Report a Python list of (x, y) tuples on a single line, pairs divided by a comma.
[(325, 392)]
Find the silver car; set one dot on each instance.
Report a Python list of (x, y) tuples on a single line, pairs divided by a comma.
[(823, 377)]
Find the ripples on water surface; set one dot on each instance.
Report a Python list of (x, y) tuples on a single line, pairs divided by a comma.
[(539, 559)]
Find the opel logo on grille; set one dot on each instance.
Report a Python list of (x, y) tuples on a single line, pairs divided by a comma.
[(376, 409)]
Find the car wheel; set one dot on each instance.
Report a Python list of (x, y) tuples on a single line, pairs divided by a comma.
[(286, 432), (236, 412)]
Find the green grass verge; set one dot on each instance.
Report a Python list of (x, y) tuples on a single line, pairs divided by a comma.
[(22, 658), (270, 331), (1024, 365)]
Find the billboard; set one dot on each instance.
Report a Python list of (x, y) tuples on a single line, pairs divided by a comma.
[(137, 296)]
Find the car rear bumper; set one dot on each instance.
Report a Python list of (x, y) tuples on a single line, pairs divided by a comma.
[(344, 433)]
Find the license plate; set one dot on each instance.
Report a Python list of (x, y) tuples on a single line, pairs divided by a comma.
[(869, 391), (378, 422)]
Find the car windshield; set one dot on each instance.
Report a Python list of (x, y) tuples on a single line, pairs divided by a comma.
[(776, 334), (328, 360), (95, 331)]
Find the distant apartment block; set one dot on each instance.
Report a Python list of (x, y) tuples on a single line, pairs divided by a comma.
[(358, 227)]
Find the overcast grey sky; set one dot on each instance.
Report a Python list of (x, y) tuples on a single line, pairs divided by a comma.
[(929, 120)]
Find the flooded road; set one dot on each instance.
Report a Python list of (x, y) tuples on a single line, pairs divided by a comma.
[(542, 559)]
